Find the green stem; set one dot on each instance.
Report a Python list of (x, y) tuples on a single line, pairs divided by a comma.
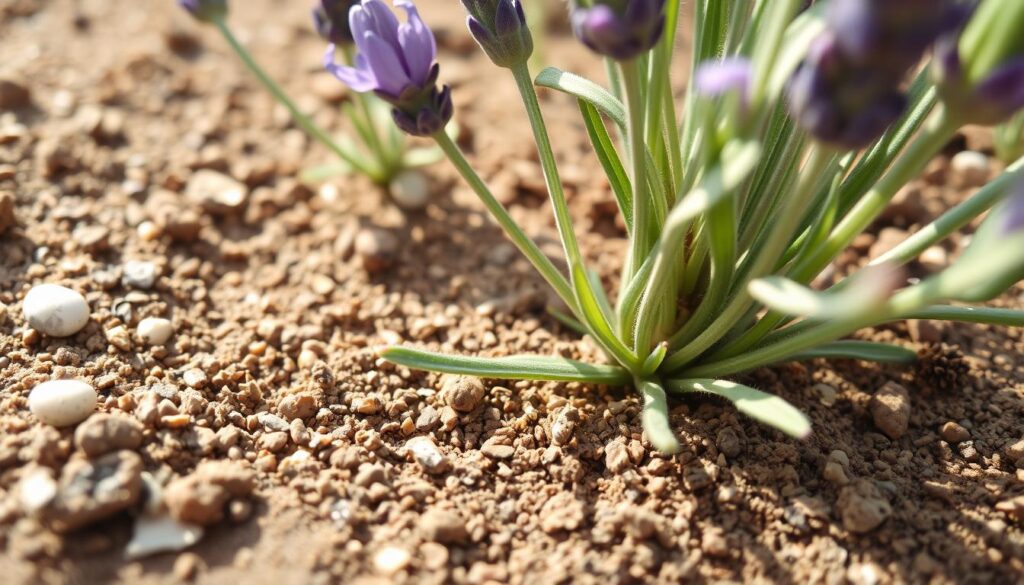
[(541, 262), (640, 243), (279, 94), (713, 328), (563, 220), (905, 302), (376, 144)]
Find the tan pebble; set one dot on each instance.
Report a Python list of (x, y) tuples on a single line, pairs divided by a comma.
[(377, 249), (307, 358), (119, 337), (616, 457), (195, 378), (463, 393), (1015, 451), (862, 507), (175, 421), (890, 409), (368, 405), (155, 330), (148, 231), (408, 427), (952, 432)]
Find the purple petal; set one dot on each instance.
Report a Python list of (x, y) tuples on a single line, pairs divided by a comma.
[(417, 43), (359, 78), (383, 21), (714, 78), (386, 65), (361, 23), (507, 18)]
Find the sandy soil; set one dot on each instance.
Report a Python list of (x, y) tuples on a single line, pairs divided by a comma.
[(268, 419)]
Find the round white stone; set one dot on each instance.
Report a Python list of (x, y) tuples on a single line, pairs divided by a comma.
[(55, 310), (410, 190), (155, 330), (62, 403)]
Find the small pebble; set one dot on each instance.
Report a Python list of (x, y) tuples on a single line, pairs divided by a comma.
[(138, 274), (62, 403), (377, 249), (119, 337), (391, 560), (410, 190), (216, 192), (463, 393), (890, 409), (55, 310), (155, 330), (952, 432), (426, 453), (969, 168)]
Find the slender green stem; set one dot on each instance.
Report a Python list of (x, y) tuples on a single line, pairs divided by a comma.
[(760, 263), (376, 145), (541, 262), (563, 220), (641, 241), (279, 94), (1004, 317), (936, 133), (907, 301)]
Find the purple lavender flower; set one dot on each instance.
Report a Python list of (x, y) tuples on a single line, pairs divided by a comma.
[(330, 17), (890, 35), (838, 104), (620, 29), (205, 10), (715, 78), (846, 91), (499, 27), (397, 62)]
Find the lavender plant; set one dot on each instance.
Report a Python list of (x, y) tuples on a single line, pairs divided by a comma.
[(800, 126), (380, 151)]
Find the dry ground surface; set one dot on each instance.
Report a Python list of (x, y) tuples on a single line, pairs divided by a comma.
[(268, 420)]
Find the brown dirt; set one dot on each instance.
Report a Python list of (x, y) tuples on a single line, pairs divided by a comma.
[(275, 314)]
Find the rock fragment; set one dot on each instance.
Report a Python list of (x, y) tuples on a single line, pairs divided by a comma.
[(102, 433), (91, 490), (862, 507), (463, 393), (890, 410)]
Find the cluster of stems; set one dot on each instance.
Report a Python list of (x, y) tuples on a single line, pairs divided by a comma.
[(738, 200)]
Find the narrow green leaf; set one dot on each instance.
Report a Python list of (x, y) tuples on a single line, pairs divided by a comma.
[(597, 323), (766, 408), (859, 350), (653, 361), (1004, 317), (568, 320), (654, 418), (584, 89), (525, 367), (610, 161)]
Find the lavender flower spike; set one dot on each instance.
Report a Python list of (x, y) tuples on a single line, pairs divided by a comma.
[(330, 18), (205, 10), (397, 62), (620, 29)]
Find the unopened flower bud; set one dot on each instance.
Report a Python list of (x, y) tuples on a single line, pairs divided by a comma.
[(620, 29), (499, 27), (205, 10)]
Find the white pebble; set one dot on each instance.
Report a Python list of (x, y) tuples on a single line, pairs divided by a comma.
[(391, 560), (410, 190), (970, 168), (155, 330), (62, 403), (55, 310)]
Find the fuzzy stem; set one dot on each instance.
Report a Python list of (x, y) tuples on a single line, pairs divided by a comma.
[(541, 262), (302, 120), (640, 242)]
